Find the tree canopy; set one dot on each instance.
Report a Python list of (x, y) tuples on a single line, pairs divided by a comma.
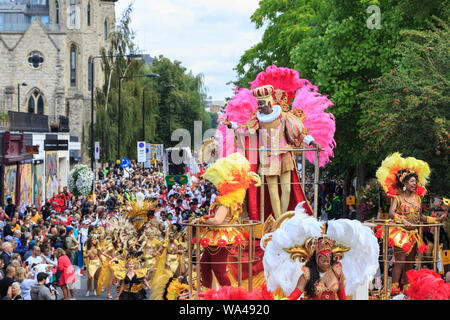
[(174, 100), (332, 44)]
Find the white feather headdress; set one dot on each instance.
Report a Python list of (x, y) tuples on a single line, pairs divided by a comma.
[(359, 264)]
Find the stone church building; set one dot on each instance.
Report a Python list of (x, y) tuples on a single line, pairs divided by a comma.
[(46, 50)]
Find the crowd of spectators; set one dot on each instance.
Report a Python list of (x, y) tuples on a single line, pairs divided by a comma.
[(42, 247)]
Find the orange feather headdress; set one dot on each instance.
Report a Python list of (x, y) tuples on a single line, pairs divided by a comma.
[(395, 166)]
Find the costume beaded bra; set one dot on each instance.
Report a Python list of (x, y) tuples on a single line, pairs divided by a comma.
[(412, 212), (322, 292)]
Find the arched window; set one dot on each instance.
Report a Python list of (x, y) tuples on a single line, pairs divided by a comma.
[(72, 12), (36, 102), (73, 66), (90, 74), (106, 30), (89, 14), (57, 12)]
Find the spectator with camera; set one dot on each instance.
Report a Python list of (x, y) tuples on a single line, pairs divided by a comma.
[(40, 291)]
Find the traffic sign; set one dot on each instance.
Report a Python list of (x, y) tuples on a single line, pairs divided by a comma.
[(141, 151), (125, 163), (97, 150), (351, 200)]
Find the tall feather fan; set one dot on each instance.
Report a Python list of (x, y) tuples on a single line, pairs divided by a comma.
[(239, 110), (359, 264), (321, 125)]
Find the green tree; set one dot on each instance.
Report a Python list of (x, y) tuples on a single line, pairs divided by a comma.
[(407, 109), (343, 55), (182, 105), (286, 22)]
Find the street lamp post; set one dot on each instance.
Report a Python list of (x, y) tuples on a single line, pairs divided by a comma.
[(151, 75), (129, 56), (170, 86), (143, 106), (18, 94)]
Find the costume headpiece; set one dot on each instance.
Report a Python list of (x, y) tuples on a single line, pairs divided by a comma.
[(396, 167), (264, 93), (299, 236), (97, 232), (232, 177), (285, 83), (324, 246), (281, 99)]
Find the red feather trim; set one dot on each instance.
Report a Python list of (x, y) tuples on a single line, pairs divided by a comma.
[(423, 248), (379, 233), (391, 192), (391, 242), (236, 293), (427, 285), (407, 247), (421, 191)]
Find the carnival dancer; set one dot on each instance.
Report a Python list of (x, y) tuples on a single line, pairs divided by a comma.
[(92, 262), (263, 118), (404, 180), (131, 273), (232, 177), (316, 259)]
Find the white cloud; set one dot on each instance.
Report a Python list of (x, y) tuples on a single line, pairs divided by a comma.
[(207, 36)]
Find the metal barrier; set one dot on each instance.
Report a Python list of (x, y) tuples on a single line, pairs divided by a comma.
[(384, 257), (251, 259), (247, 223), (303, 183)]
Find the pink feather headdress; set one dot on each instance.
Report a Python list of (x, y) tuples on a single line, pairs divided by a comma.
[(321, 125), (239, 110)]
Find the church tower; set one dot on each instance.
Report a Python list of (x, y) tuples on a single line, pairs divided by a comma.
[(48, 45)]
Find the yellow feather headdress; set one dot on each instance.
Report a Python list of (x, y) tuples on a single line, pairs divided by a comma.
[(232, 177), (391, 168)]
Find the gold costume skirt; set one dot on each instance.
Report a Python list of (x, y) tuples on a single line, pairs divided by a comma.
[(172, 262), (222, 237), (103, 277), (405, 239), (160, 278), (92, 267)]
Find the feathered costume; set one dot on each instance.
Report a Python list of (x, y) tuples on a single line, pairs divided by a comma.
[(232, 177), (394, 168), (426, 284), (287, 250), (308, 107)]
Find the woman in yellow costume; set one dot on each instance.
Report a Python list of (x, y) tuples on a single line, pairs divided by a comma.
[(106, 250), (92, 263), (151, 247), (132, 274), (403, 179), (232, 177)]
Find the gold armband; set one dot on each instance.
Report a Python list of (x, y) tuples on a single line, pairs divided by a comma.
[(399, 218), (202, 220), (431, 220)]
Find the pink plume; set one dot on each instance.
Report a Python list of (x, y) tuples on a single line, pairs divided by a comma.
[(239, 110), (280, 78), (321, 125)]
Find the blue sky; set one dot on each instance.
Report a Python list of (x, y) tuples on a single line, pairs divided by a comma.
[(207, 36)]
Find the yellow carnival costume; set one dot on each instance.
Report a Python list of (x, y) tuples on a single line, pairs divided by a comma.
[(133, 288), (232, 177), (393, 170)]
